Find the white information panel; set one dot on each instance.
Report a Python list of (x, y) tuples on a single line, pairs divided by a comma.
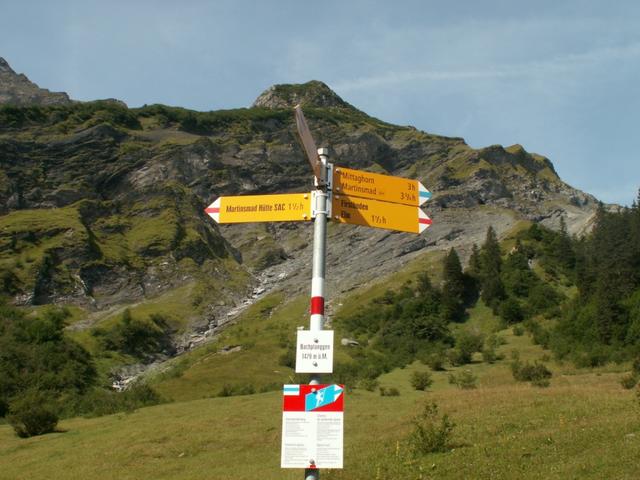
[(312, 426), (314, 351)]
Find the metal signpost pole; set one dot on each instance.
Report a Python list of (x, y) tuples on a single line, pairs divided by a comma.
[(316, 321)]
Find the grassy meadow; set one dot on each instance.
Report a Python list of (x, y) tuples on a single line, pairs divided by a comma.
[(585, 425)]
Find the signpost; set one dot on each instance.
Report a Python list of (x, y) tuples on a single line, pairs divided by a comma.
[(286, 207), (312, 418), (373, 213), (379, 187)]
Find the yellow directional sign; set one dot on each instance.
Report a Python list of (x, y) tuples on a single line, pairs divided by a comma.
[(386, 188), (261, 208), (373, 213)]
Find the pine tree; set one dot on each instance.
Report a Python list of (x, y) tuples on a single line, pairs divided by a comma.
[(516, 275), (453, 289), (490, 255), (561, 249), (492, 289), (475, 264)]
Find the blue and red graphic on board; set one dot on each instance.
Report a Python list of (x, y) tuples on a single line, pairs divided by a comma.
[(313, 398)]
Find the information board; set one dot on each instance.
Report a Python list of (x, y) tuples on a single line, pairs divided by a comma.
[(312, 426)]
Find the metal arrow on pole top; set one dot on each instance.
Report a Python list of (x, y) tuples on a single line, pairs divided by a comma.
[(309, 145)]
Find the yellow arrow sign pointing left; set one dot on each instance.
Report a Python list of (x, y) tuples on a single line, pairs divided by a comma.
[(288, 207)]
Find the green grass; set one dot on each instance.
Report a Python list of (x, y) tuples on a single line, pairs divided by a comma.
[(583, 426), (55, 228), (262, 331)]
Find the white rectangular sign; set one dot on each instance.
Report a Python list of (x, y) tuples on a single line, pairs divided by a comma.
[(312, 426), (314, 351)]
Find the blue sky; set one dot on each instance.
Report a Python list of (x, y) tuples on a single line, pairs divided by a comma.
[(562, 78)]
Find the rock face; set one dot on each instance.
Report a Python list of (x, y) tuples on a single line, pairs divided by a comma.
[(17, 89), (102, 206), (313, 94)]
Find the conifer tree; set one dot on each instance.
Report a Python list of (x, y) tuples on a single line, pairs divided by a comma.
[(561, 249), (475, 265), (453, 289), (491, 257), (492, 289), (517, 278)]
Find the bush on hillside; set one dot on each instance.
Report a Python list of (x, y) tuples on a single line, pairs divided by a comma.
[(629, 381), (434, 360), (369, 384), (465, 379), (136, 336), (467, 343), (511, 311), (102, 401), (431, 432), (537, 373), (35, 354), (389, 392), (31, 414), (421, 380)]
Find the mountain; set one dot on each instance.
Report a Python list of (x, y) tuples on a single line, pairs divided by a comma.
[(101, 206), (18, 90)]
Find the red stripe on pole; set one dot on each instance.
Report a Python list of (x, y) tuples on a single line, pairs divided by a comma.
[(425, 220), (317, 305), (212, 210)]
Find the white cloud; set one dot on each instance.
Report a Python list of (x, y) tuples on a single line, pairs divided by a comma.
[(567, 63)]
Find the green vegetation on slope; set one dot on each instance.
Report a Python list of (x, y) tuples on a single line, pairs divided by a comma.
[(584, 426)]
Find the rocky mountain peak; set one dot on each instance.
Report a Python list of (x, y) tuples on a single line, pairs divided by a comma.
[(17, 89), (311, 94), (4, 66)]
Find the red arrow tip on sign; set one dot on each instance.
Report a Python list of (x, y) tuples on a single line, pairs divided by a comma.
[(424, 221)]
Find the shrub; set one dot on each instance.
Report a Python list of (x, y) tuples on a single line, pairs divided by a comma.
[(489, 354), (102, 401), (537, 373), (540, 382), (288, 358), (35, 352), (228, 390), (464, 379), (31, 414), (431, 432), (421, 380), (467, 343), (434, 360), (369, 384), (389, 392), (540, 335), (518, 330), (136, 336), (629, 381), (511, 311)]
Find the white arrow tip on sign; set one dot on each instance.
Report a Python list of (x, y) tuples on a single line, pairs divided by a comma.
[(213, 210), (423, 193)]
